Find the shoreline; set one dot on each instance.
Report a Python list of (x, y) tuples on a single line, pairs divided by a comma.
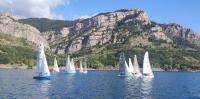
[(8, 66)]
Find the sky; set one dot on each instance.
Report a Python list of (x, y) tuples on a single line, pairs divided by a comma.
[(183, 12)]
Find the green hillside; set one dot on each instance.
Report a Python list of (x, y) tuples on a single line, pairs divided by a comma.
[(43, 24), (18, 51)]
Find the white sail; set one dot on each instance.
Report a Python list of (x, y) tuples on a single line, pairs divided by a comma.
[(56, 69), (39, 58), (72, 66), (67, 63), (85, 68), (131, 65), (123, 68), (147, 71), (81, 67), (121, 65), (127, 69), (69, 66), (136, 67), (42, 66)]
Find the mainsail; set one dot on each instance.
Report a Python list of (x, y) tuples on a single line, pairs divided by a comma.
[(39, 58), (147, 71), (56, 69), (81, 67), (67, 63), (85, 68), (136, 66), (123, 69), (42, 66), (72, 66), (131, 66)]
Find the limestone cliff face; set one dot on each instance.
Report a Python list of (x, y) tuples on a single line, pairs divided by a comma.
[(179, 31), (99, 29), (10, 25), (116, 27), (132, 27)]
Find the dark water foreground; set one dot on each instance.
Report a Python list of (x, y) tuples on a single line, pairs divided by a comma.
[(99, 85)]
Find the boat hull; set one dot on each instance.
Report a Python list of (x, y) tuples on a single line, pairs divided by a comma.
[(137, 75), (72, 72), (148, 76), (42, 77), (125, 74)]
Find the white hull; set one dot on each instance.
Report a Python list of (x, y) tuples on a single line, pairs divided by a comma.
[(85, 72), (138, 75), (148, 76)]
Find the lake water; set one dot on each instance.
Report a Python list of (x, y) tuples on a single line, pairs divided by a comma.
[(99, 85)]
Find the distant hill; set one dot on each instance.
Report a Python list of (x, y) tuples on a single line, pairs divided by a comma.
[(44, 24)]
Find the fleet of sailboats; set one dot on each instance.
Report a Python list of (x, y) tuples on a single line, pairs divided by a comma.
[(130, 69)]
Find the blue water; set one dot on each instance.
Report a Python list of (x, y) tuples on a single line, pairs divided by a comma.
[(99, 85)]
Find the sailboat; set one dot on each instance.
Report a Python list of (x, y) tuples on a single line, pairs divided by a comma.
[(130, 64), (42, 69), (124, 68), (72, 66), (147, 71), (69, 66), (81, 67), (137, 72), (55, 68), (85, 68)]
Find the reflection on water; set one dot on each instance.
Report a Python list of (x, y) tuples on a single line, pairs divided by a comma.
[(137, 88), (146, 88), (43, 88), (99, 85)]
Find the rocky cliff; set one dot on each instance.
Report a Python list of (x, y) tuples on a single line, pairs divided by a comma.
[(131, 27), (10, 25)]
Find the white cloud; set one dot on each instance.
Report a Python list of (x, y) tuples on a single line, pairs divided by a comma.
[(33, 8)]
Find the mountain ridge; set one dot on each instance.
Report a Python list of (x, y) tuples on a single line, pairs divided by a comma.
[(101, 38)]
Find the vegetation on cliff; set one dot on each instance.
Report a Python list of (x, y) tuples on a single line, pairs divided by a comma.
[(18, 51)]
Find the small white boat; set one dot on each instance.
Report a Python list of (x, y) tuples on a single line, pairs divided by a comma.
[(137, 72), (72, 66), (69, 66), (147, 71), (80, 67), (123, 66), (55, 68), (42, 68), (85, 68)]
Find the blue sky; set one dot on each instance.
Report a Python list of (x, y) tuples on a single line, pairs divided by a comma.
[(184, 12)]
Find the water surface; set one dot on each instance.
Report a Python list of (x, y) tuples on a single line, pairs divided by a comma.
[(99, 85)]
